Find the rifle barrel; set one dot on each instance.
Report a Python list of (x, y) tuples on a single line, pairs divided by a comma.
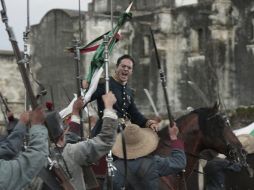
[(163, 81)]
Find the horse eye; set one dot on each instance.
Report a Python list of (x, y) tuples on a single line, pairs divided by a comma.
[(228, 122)]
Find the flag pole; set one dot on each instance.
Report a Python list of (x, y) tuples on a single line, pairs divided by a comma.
[(77, 58), (109, 157)]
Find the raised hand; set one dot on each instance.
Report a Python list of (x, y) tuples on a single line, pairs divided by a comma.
[(37, 116), (109, 100), (173, 131)]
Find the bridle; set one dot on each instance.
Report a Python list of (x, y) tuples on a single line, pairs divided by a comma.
[(233, 153)]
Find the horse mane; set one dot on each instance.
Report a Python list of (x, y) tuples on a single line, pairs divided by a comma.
[(210, 122)]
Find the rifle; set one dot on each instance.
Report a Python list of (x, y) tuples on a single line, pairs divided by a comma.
[(59, 173), (163, 81), (4, 109), (3, 100)]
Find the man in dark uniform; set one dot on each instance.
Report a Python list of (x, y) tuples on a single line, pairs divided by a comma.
[(125, 105), (215, 168)]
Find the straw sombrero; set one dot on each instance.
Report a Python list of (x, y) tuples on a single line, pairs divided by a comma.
[(248, 142), (139, 142)]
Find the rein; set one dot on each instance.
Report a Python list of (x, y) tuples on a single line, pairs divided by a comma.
[(192, 155), (124, 155)]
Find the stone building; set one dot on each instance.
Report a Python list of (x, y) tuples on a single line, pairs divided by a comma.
[(11, 84), (205, 48)]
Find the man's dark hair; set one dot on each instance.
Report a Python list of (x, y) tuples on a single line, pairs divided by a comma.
[(126, 56)]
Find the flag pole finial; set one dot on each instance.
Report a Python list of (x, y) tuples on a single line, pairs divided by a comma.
[(129, 7)]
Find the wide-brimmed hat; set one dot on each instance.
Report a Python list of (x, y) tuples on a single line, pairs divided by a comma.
[(139, 142), (247, 141)]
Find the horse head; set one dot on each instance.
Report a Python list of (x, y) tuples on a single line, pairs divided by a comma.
[(203, 128), (218, 135)]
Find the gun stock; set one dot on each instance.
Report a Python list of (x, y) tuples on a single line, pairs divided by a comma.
[(58, 171)]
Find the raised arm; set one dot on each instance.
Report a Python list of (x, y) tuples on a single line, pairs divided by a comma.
[(10, 147), (15, 174), (176, 161), (91, 150)]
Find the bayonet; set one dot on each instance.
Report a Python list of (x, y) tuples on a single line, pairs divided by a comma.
[(151, 102)]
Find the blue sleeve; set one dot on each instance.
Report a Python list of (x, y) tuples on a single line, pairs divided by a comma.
[(172, 164), (20, 171), (10, 147)]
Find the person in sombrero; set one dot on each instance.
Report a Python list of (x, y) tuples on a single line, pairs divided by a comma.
[(144, 169)]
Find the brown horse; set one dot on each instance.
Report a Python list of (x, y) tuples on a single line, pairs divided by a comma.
[(204, 128)]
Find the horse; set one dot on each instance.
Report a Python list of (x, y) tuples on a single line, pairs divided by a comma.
[(203, 128)]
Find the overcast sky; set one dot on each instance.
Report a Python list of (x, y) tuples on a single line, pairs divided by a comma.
[(17, 14)]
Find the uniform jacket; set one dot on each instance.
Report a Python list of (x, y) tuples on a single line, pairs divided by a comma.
[(18, 172), (215, 173), (147, 170), (125, 105), (12, 144), (87, 152)]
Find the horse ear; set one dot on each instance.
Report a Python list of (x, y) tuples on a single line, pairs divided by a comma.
[(216, 107)]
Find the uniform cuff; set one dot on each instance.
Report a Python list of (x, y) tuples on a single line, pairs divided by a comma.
[(109, 113), (177, 144), (75, 118), (75, 128)]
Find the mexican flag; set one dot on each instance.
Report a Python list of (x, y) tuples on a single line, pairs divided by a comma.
[(98, 58), (97, 63)]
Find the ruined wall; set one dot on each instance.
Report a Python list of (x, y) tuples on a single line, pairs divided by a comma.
[(206, 50), (199, 45), (243, 52), (51, 63), (104, 6), (11, 85)]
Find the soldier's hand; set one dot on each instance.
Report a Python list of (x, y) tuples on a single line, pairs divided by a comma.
[(9, 114), (109, 100), (37, 116), (154, 125), (85, 84), (173, 131), (77, 106), (157, 118), (24, 118)]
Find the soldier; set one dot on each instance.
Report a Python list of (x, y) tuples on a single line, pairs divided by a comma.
[(16, 173), (125, 105), (75, 154), (143, 169), (11, 145), (215, 168)]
